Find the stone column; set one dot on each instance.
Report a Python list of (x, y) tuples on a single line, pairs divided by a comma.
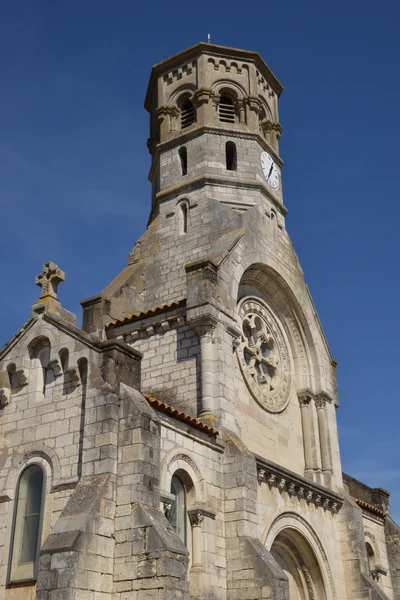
[(320, 403), (305, 401), (242, 111), (205, 333), (196, 519)]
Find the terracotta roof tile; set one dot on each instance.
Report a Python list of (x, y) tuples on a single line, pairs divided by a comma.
[(370, 507), (147, 313), (179, 415)]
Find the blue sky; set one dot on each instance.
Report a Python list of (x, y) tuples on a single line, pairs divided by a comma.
[(74, 165)]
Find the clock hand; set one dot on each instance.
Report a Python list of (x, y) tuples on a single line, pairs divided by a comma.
[(270, 171)]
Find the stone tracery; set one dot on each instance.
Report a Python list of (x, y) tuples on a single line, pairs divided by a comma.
[(263, 356)]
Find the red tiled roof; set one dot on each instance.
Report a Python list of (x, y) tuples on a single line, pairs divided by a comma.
[(179, 415), (147, 313), (370, 507)]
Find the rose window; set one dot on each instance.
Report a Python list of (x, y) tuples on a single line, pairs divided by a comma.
[(263, 356)]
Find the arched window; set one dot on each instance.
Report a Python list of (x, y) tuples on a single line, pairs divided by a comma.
[(370, 556), (183, 159), (226, 109), (188, 112), (177, 515), (231, 156), (27, 524)]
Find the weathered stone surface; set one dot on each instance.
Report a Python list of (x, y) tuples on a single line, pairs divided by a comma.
[(213, 317)]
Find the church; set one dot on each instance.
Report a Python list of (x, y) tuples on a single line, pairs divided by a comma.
[(182, 444)]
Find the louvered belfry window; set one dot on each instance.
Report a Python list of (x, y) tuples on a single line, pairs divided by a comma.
[(188, 114), (226, 110)]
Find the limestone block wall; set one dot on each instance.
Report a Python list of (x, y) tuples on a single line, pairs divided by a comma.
[(278, 510), (41, 428), (374, 531), (198, 461), (206, 155), (275, 436), (171, 367)]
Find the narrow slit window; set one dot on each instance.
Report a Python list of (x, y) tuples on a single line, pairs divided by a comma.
[(183, 159), (226, 110), (184, 218), (231, 156), (188, 114), (27, 525)]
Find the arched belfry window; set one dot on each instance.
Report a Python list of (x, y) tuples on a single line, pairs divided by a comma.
[(27, 525), (183, 159), (177, 514), (226, 109), (188, 112), (231, 156)]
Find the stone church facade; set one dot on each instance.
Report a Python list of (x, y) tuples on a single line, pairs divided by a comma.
[(183, 443)]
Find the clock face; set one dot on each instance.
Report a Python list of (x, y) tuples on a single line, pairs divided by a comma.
[(270, 170)]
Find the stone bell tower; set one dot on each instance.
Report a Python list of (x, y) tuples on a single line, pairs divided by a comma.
[(213, 112)]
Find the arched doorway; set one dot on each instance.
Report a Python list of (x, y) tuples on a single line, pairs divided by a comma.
[(296, 558)]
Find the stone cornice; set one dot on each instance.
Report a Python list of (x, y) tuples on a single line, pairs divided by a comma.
[(296, 485), (182, 137), (149, 324), (208, 179), (193, 53)]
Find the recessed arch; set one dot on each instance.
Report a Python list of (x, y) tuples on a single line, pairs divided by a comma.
[(27, 523), (186, 89), (184, 464), (289, 528), (32, 453), (230, 87), (262, 281)]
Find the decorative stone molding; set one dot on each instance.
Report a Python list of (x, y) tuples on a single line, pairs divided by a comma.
[(263, 356), (296, 486), (198, 512), (201, 96), (54, 365), (196, 518), (148, 326), (377, 571)]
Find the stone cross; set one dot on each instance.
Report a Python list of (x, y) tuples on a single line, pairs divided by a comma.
[(49, 279)]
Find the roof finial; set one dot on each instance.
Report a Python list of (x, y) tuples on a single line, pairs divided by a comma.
[(48, 280), (208, 38)]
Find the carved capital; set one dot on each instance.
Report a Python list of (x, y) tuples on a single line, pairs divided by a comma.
[(201, 96), (198, 513), (320, 402), (305, 397), (253, 103), (196, 519), (205, 330)]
